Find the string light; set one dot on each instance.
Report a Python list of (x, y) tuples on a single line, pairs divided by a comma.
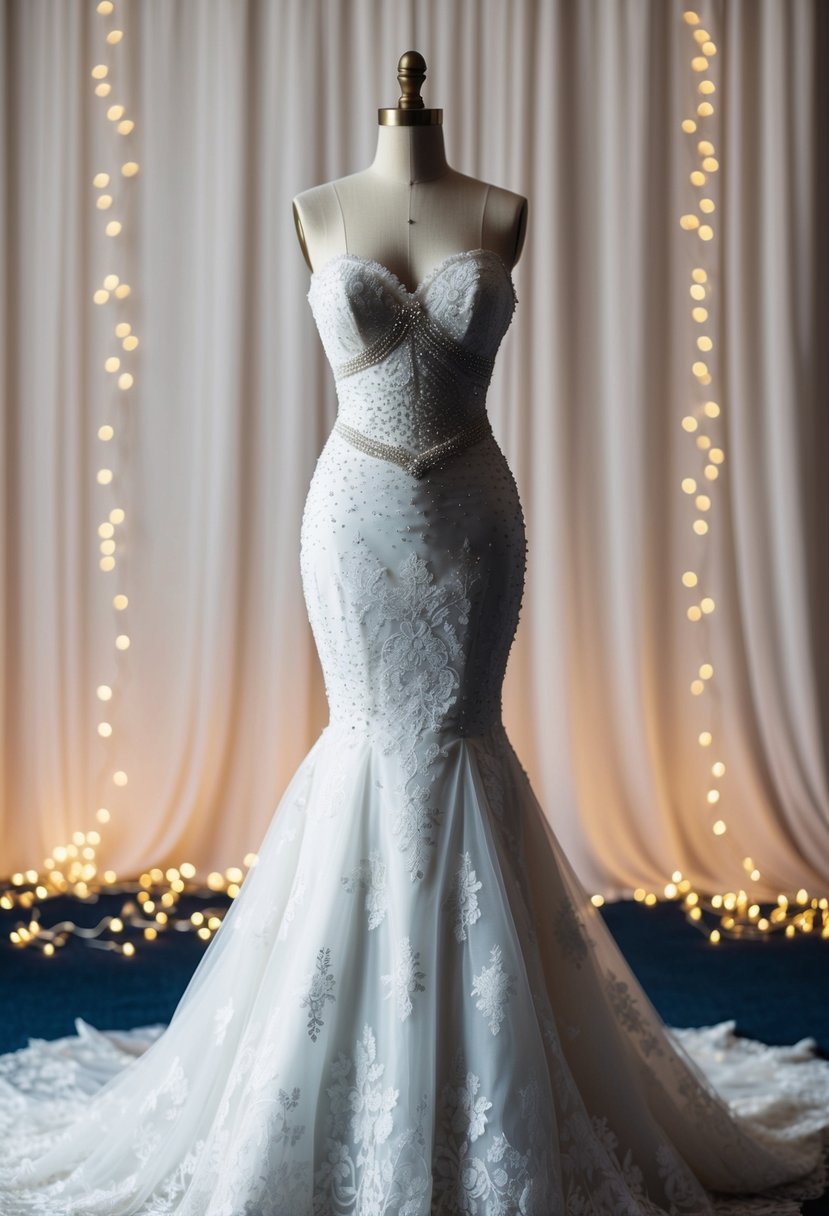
[(73, 868), (736, 913)]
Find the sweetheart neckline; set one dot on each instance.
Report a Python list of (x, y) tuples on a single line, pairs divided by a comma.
[(425, 281)]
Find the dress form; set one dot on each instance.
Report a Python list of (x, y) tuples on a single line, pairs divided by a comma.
[(409, 209)]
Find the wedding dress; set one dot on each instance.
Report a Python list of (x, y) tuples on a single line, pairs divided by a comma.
[(412, 1007)]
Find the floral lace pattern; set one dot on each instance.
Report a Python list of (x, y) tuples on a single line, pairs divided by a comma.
[(462, 904), (493, 988), (404, 979), (319, 988), (370, 874)]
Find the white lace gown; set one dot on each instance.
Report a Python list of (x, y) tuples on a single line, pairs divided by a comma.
[(412, 1008)]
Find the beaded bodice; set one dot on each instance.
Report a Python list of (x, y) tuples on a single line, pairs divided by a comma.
[(412, 368)]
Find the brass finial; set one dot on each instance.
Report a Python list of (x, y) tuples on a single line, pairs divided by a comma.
[(410, 110)]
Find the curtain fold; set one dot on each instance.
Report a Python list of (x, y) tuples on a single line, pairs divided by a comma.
[(238, 105)]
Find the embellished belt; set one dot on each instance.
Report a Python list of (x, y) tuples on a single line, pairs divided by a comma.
[(417, 463)]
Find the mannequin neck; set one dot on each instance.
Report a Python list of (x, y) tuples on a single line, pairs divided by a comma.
[(410, 153)]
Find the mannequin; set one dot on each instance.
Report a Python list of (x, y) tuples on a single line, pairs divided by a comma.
[(409, 209)]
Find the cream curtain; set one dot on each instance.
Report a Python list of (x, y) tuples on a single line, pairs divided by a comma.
[(578, 105)]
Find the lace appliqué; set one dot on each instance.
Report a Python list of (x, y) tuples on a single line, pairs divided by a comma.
[(356, 1177), (370, 874), (462, 904), (411, 621), (319, 988), (405, 978), (493, 988), (497, 1178)]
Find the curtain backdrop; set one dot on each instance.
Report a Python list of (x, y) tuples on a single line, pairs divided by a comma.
[(576, 104)]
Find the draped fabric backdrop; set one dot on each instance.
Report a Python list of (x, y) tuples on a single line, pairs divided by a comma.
[(577, 105)]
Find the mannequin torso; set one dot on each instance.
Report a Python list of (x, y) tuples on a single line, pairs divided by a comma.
[(368, 213)]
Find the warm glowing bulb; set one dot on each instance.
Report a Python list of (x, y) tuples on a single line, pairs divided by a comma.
[(719, 828), (129, 168), (709, 48), (707, 205), (711, 164), (104, 692), (130, 343), (688, 222), (122, 642), (114, 36), (706, 671), (697, 687), (700, 526), (111, 281), (129, 949), (699, 313), (717, 455), (125, 380), (689, 579), (597, 900), (689, 423), (125, 127), (702, 502), (690, 17), (112, 363), (718, 769), (103, 202), (711, 472), (122, 329), (699, 368), (100, 180), (707, 604), (704, 343), (103, 89), (705, 110), (105, 530), (714, 936), (122, 291), (704, 738), (105, 729), (100, 296), (706, 87), (706, 232), (699, 63), (104, 477), (694, 613), (689, 485), (688, 125), (113, 228), (120, 602), (120, 777), (698, 178), (696, 291)]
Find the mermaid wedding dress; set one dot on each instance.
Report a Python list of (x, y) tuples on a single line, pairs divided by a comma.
[(412, 1008)]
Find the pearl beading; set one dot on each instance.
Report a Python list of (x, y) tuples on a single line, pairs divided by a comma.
[(409, 316), (417, 463)]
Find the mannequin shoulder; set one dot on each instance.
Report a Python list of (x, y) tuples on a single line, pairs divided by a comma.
[(315, 210), (505, 221)]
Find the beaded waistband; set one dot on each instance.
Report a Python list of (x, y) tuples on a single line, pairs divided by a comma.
[(417, 463)]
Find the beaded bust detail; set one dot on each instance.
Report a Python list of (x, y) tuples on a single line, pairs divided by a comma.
[(412, 368)]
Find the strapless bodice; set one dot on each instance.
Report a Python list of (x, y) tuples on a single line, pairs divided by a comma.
[(412, 367)]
